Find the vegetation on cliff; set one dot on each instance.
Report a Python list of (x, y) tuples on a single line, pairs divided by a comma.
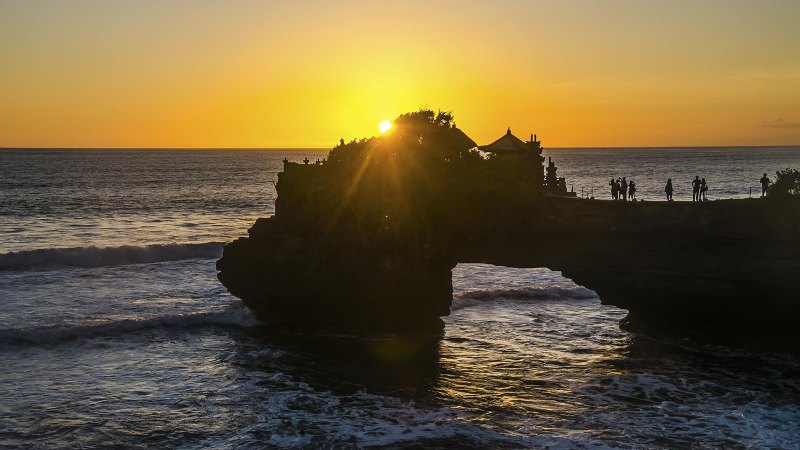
[(787, 184), (417, 185)]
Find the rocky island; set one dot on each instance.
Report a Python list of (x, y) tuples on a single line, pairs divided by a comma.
[(367, 239)]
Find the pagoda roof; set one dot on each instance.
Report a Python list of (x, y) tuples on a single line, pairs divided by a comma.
[(507, 143)]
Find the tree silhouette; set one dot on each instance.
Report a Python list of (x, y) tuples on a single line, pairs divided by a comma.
[(786, 185)]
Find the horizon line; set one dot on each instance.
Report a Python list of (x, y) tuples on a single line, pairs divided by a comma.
[(328, 148)]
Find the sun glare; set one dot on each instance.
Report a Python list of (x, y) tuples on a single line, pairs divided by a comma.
[(385, 126)]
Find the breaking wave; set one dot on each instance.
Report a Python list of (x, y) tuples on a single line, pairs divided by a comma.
[(531, 293), (234, 316), (107, 256), (478, 296)]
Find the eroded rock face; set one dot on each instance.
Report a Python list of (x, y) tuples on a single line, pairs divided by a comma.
[(721, 268), (728, 269), (289, 278)]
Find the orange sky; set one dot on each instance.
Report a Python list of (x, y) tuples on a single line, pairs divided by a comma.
[(112, 73)]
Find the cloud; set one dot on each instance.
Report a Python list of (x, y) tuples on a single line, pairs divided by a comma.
[(790, 74), (780, 123)]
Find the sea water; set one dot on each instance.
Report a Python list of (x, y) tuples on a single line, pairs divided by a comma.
[(114, 331)]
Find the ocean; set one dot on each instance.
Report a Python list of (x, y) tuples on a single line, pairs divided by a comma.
[(115, 333)]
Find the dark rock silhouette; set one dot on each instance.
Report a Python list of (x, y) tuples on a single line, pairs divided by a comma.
[(725, 269), (369, 239), (366, 239)]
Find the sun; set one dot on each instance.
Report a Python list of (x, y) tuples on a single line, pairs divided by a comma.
[(385, 126)]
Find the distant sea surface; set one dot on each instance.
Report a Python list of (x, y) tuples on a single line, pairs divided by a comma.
[(114, 331)]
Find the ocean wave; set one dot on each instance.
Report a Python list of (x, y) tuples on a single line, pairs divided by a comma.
[(237, 315), (107, 256), (532, 293), (475, 297)]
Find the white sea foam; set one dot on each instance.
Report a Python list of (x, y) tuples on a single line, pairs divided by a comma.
[(687, 406), (237, 315), (358, 420), (107, 256)]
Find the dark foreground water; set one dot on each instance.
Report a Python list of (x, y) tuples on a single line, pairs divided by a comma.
[(115, 333)]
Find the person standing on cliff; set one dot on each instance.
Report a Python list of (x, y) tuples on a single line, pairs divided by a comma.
[(668, 189), (632, 190), (624, 188), (696, 189), (613, 185), (764, 185)]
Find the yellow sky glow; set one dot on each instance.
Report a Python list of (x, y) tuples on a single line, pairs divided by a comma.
[(304, 74)]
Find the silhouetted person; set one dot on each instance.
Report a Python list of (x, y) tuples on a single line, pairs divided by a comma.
[(305, 161), (668, 189), (632, 190), (703, 189), (696, 189), (623, 186), (613, 185), (764, 185)]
